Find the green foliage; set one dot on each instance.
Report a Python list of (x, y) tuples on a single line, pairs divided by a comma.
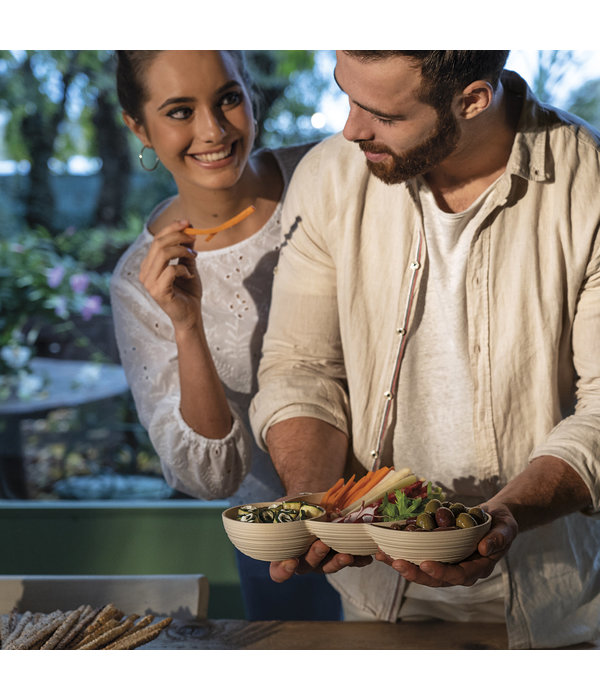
[(585, 102), (40, 285)]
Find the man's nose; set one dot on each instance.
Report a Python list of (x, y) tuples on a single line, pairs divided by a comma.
[(358, 125)]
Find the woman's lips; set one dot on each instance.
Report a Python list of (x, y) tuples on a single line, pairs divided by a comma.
[(215, 159)]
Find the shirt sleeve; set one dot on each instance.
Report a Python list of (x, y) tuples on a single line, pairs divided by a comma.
[(576, 439), (191, 463), (302, 373)]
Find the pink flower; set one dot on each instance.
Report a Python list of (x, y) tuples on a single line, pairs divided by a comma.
[(79, 283), (55, 276), (91, 307)]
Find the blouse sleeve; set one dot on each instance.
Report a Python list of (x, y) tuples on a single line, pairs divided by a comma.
[(191, 463)]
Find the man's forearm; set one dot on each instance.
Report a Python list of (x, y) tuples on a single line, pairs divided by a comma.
[(309, 454), (547, 489)]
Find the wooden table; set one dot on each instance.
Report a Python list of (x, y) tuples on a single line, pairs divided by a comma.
[(240, 634)]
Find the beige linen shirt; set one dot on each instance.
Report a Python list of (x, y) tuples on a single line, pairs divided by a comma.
[(343, 305)]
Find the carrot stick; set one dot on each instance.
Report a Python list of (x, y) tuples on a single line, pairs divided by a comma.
[(221, 227), (329, 493), (340, 495), (365, 485)]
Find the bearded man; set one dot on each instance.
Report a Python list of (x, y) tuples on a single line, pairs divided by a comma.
[(438, 307)]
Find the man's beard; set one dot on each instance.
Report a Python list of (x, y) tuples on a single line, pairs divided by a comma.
[(417, 160)]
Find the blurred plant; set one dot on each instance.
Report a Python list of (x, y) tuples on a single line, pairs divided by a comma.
[(39, 285)]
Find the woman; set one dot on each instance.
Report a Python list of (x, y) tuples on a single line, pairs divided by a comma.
[(190, 310)]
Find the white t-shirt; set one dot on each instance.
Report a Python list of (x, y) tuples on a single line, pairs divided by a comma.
[(431, 433)]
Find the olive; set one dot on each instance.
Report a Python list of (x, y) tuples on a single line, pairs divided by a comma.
[(444, 517), (432, 505), (411, 527), (446, 504), (477, 514), (457, 508), (465, 520), (426, 521)]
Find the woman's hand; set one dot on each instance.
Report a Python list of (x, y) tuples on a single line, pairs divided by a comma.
[(479, 565), (175, 286)]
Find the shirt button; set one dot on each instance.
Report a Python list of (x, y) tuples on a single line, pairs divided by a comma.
[(415, 265), (401, 331), (388, 395), (374, 453)]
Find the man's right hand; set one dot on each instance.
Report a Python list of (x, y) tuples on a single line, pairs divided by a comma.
[(319, 558)]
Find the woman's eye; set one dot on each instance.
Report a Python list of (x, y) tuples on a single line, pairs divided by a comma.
[(231, 99), (179, 113)]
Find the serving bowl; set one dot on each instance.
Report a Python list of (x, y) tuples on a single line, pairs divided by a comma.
[(346, 538), (446, 546), (272, 541)]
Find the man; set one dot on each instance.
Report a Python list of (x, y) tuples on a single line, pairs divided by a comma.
[(439, 302)]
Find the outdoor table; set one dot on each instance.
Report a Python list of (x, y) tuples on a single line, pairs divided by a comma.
[(62, 392)]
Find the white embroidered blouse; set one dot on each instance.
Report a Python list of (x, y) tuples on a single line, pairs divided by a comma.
[(236, 283)]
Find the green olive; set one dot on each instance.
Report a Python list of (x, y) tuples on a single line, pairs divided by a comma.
[(432, 505), (465, 520), (477, 514), (425, 521), (457, 508)]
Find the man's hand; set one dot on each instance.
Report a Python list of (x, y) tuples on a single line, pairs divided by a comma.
[(319, 558), (480, 564)]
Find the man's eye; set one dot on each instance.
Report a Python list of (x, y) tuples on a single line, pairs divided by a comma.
[(387, 122), (179, 113)]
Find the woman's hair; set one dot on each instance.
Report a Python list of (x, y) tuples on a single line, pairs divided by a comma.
[(131, 79), (446, 73)]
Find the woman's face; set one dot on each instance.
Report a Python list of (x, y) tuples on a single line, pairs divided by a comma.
[(198, 118)]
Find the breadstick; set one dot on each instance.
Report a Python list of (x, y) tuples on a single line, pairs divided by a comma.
[(144, 622), (20, 626), (108, 625), (87, 615), (41, 631), (13, 618), (78, 633), (143, 636), (108, 612), (106, 637), (71, 618), (3, 629)]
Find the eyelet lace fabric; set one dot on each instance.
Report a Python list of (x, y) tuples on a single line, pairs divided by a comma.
[(236, 283)]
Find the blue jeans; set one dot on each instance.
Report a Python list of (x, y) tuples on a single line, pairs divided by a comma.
[(306, 597)]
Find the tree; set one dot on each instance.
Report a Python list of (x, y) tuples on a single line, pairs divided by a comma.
[(36, 118), (552, 68), (585, 102)]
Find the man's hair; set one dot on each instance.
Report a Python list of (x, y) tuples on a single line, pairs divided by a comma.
[(445, 73)]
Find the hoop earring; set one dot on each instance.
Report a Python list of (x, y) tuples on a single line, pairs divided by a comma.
[(141, 157)]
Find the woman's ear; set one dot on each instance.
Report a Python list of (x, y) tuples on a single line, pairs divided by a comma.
[(137, 128), (475, 99)]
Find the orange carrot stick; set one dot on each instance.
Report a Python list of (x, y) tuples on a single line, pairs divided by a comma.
[(341, 494), (210, 232), (331, 491), (365, 485)]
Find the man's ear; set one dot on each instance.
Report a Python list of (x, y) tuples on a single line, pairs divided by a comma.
[(136, 128), (475, 99)]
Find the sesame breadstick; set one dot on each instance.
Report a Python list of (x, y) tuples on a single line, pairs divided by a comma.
[(144, 622), (71, 618), (143, 636), (41, 631), (109, 635), (87, 615), (23, 621), (108, 625)]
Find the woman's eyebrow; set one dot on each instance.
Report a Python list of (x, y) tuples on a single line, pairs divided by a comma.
[(375, 112)]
